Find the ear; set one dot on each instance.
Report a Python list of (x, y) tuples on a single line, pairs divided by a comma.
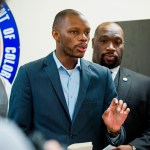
[(56, 35)]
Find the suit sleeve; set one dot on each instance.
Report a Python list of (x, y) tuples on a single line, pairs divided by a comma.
[(20, 107), (110, 94)]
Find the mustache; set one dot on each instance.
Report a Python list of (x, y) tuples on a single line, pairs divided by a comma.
[(111, 54), (82, 45)]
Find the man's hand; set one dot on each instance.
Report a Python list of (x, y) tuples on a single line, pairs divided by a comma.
[(123, 147), (52, 145), (115, 115)]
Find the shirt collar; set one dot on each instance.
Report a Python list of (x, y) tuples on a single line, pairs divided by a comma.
[(114, 71), (59, 64)]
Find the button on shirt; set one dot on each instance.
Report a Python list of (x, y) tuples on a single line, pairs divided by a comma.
[(70, 81)]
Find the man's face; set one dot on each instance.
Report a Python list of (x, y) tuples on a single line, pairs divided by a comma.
[(108, 46), (73, 37)]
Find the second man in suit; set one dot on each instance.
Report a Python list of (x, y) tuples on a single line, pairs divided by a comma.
[(133, 88)]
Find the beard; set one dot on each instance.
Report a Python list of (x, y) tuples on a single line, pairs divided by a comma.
[(110, 64)]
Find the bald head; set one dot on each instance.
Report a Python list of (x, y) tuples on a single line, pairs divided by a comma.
[(110, 27)]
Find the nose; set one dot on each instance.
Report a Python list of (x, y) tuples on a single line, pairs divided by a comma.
[(110, 46), (84, 37)]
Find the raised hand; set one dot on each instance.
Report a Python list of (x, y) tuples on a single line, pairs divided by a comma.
[(115, 115)]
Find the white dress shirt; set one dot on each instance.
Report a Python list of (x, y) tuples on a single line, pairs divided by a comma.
[(114, 72)]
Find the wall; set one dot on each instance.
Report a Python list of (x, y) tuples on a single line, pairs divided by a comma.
[(34, 19), (137, 45)]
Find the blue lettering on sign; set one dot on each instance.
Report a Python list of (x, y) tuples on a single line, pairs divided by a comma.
[(11, 44)]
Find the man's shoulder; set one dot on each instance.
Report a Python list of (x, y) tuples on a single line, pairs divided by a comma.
[(94, 65), (134, 74), (34, 62), (37, 63)]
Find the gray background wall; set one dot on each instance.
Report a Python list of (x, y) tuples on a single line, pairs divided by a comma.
[(137, 45)]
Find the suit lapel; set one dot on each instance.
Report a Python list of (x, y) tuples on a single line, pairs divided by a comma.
[(123, 83), (116, 80), (53, 74), (84, 82)]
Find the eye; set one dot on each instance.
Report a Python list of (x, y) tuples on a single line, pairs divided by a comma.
[(118, 42), (103, 40), (74, 32), (87, 33)]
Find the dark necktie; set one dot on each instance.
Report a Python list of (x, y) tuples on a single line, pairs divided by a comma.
[(3, 100)]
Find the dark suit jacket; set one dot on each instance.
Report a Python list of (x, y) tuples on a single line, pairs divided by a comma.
[(37, 102), (136, 93)]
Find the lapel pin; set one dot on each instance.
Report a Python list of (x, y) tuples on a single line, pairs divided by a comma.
[(125, 79)]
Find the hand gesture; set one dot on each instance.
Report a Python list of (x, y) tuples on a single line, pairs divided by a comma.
[(115, 115)]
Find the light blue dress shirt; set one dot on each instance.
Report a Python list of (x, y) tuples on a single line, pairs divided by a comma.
[(70, 81)]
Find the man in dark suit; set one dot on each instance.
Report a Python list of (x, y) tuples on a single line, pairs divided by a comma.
[(133, 88), (64, 96)]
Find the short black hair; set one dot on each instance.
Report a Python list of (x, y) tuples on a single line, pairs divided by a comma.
[(62, 14)]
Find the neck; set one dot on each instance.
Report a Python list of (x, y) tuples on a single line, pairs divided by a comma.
[(68, 62)]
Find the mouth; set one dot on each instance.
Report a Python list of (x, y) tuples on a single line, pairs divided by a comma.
[(110, 57), (81, 48)]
